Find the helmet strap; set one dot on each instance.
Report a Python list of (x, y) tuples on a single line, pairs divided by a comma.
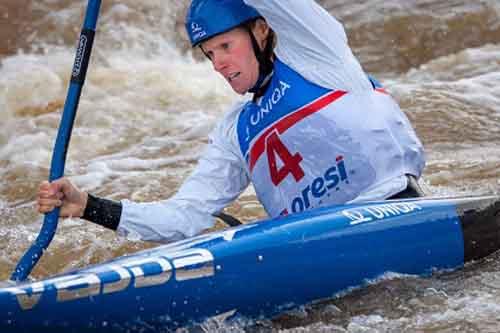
[(266, 66)]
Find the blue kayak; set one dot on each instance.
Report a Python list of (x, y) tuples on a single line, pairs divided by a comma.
[(258, 269)]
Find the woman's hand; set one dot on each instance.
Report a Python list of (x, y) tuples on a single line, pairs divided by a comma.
[(61, 193)]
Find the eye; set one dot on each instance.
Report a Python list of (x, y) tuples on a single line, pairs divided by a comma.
[(225, 46)]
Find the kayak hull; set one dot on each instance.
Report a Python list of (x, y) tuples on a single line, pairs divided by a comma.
[(258, 269)]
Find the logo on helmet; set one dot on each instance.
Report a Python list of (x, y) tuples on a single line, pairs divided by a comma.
[(197, 31)]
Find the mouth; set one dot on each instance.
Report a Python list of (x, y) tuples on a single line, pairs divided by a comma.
[(231, 77)]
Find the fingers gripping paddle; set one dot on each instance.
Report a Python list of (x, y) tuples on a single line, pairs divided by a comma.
[(34, 253)]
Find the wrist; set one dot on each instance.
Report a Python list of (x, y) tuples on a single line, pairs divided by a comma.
[(85, 201), (104, 212)]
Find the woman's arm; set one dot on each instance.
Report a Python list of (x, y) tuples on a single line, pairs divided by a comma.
[(217, 180)]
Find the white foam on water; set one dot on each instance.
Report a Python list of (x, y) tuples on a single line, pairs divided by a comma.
[(472, 75), (26, 149), (478, 309), (30, 81), (468, 63), (130, 98)]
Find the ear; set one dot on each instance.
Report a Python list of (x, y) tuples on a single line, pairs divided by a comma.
[(261, 30)]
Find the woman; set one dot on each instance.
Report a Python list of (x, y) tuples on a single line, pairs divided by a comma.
[(317, 132)]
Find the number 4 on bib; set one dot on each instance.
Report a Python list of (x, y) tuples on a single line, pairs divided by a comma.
[(291, 163)]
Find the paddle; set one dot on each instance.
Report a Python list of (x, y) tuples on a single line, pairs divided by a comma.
[(34, 253)]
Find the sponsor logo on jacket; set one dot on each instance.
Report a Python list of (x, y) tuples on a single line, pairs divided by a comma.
[(268, 104), (324, 186)]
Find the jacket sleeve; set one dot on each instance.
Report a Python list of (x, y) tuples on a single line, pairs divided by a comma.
[(313, 43), (218, 179)]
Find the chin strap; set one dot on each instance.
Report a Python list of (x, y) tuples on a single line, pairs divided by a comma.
[(261, 86), (266, 65)]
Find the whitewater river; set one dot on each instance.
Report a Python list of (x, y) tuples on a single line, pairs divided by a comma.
[(149, 104)]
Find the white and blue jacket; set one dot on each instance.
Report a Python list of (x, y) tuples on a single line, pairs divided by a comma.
[(322, 134)]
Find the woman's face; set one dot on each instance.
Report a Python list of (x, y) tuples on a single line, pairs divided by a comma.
[(232, 56)]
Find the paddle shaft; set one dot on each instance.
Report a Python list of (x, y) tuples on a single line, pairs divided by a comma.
[(35, 252)]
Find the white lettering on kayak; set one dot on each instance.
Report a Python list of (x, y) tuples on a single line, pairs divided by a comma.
[(379, 212), (194, 263), (27, 300)]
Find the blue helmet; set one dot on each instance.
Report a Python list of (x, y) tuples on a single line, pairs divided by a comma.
[(208, 18)]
